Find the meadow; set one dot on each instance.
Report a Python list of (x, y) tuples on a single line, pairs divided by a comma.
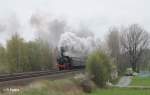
[(121, 91), (140, 81)]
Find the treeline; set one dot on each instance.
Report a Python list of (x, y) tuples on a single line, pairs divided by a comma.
[(21, 56), (129, 47), (123, 48)]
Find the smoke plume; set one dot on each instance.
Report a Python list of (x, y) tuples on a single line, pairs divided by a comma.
[(78, 46), (58, 34), (47, 28)]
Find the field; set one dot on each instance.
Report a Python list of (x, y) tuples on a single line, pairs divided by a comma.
[(113, 91), (121, 91), (69, 87), (48, 87), (141, 81), (136, 81)]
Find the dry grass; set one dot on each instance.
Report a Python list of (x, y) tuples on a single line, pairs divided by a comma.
[(56, 87)]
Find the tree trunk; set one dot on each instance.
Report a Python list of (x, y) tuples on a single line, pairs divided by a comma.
[(134, 67)]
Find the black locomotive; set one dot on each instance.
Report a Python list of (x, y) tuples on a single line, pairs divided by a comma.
[(66, 62)]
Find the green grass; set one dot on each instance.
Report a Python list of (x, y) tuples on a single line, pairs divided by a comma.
[(112, 91), (121, 91), (141, 81)]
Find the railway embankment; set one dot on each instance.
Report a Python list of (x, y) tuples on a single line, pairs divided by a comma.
[(19, 82)]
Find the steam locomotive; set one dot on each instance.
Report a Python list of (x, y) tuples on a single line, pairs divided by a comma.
[(67, 62)]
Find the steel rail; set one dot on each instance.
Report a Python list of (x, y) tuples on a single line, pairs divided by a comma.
[(17, 76)]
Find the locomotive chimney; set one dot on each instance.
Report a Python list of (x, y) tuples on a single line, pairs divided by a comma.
[(62, 51)]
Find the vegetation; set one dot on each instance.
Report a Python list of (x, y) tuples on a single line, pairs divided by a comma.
[(3, 63), (140, 81), (113, 43), (56, 87), (134, 41), (21, 56), (121, 91), (85, 83), (128, 46), (99, 68), (113, 91), (69, 87)]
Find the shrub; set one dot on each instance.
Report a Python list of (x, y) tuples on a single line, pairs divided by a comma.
[(87, 86), (99, 68), (84, 82)]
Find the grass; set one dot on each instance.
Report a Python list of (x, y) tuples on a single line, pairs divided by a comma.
[(56, 87), (137, 81), (69, 87), (35, 92), (121, 91), (111, 91), (140, 81)]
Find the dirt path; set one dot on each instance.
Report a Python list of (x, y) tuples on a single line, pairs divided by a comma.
[(124, 81)]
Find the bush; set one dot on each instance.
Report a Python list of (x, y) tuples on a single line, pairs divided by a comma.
[(84, 82), (99, 68), (87, 86)]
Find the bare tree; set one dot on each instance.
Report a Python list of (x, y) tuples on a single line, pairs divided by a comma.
[(113, 42), (134, 41), (113, 45)]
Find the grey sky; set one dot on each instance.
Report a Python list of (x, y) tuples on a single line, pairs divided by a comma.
[(98, 15)]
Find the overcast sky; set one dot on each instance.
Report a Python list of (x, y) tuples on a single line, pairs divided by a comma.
[(98, 15)]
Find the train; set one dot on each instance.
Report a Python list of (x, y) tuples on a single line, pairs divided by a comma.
[(68, 62)]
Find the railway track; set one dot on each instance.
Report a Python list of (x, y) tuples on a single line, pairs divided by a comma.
[(25, 75)]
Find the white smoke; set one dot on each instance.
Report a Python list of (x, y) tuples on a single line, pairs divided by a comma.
[(76, 45), (77, 42)]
